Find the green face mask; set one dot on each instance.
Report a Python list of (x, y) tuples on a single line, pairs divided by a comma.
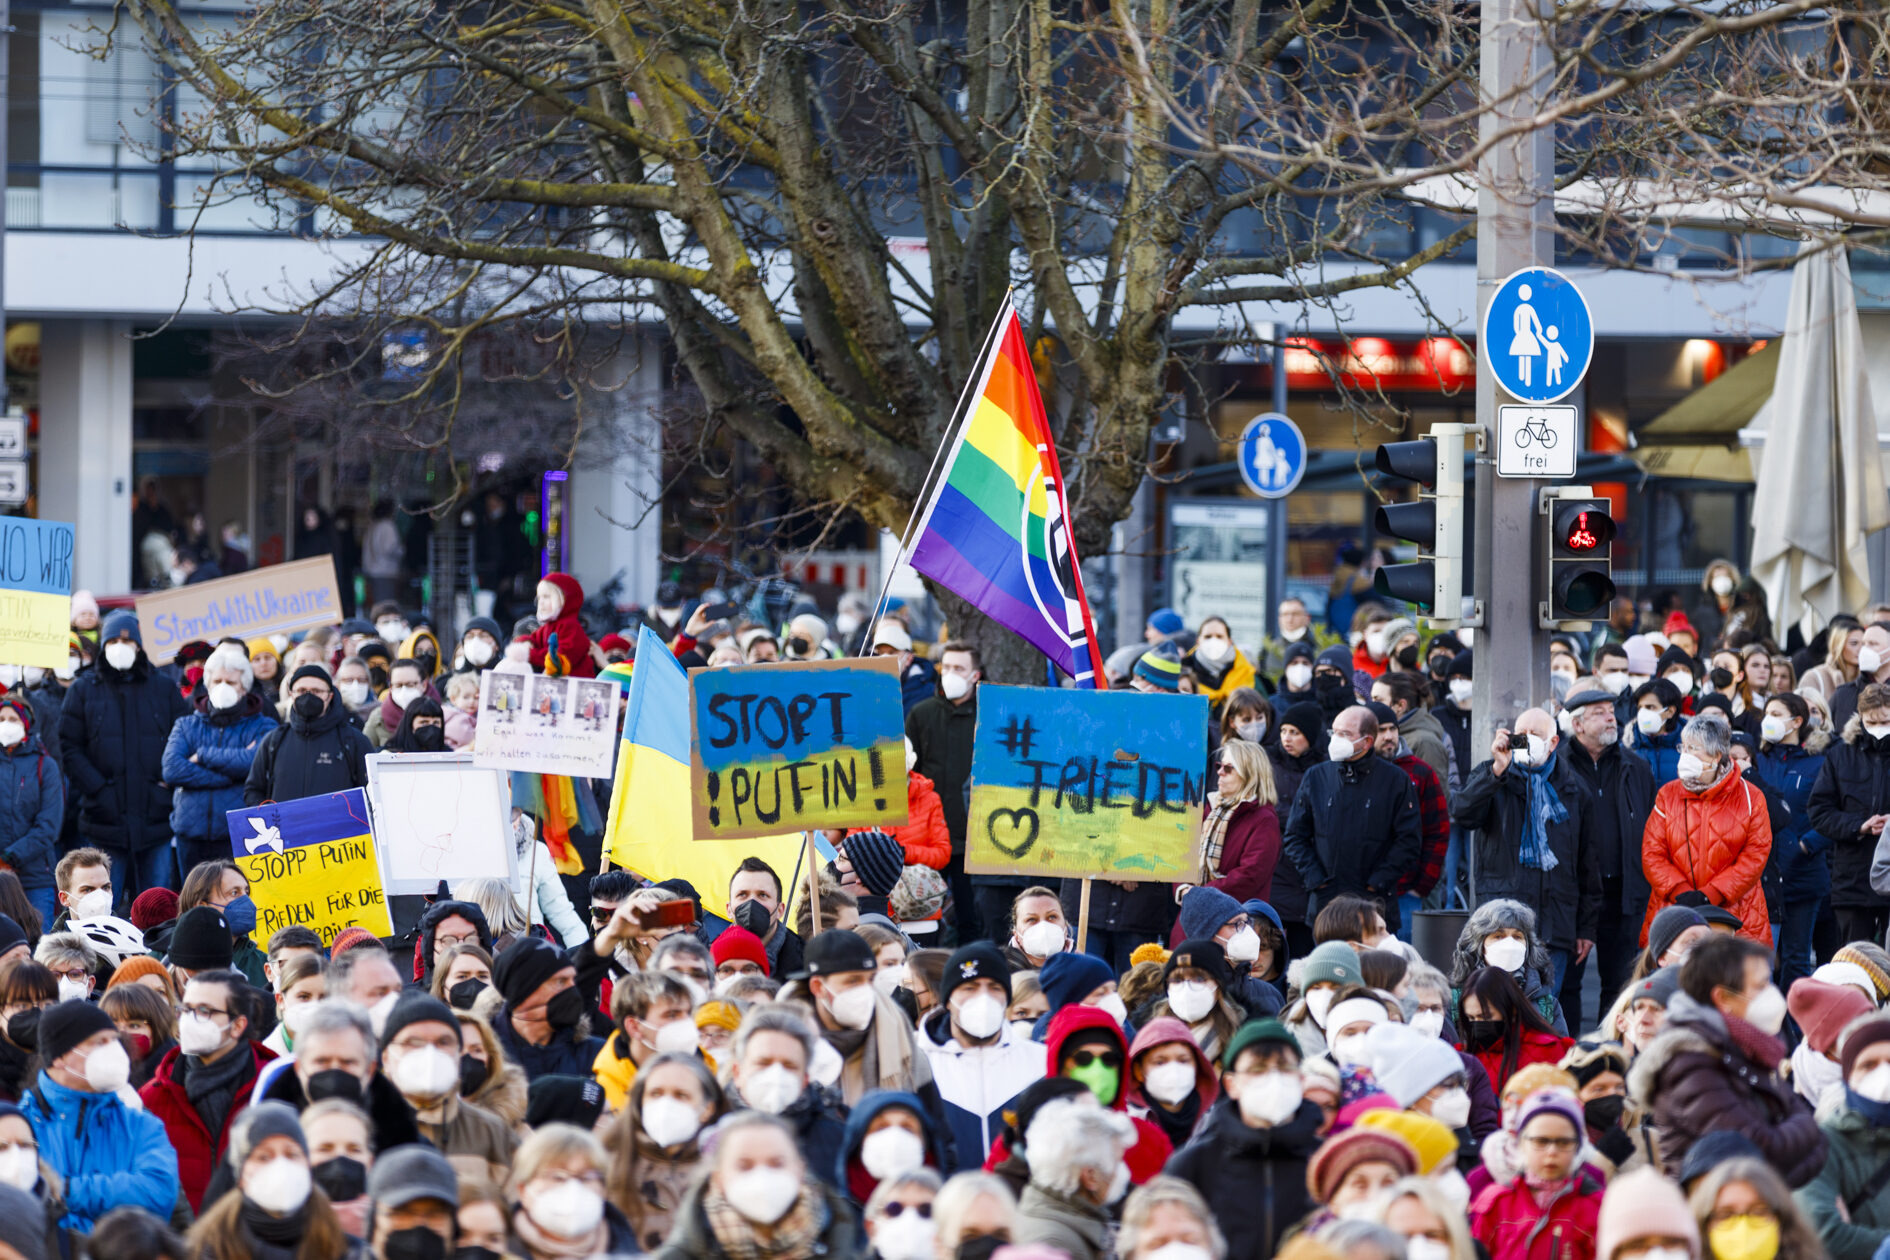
[(1102, 1080)]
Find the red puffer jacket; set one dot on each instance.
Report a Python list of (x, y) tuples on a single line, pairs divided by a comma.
[(198, 1149), (927, 841), (1507, 1221), (1714, 842)]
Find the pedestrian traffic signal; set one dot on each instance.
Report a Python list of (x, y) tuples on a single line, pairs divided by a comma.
[(1435, 522), (1578, 571)]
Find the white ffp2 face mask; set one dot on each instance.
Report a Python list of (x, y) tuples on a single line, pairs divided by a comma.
[(1170, 1082), (1043, 938), (1339, 748), (1298, 676), (121, 655), (1505, 953), (954, 686)]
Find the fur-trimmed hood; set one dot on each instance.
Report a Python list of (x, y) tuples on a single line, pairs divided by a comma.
[(1699, 1030)]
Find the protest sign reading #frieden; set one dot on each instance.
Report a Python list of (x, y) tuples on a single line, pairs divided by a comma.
[(276, 598), (1089, 784), (786, 747), (35, 591), (312, 862)]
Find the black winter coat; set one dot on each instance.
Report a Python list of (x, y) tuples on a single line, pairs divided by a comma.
[(1289, 890), (1254, 1178), (307, 758), (1854, 784), (112, 731), (1354, 829), (1456, 724), (1146, 908), (1567, 900), (1623, 789)]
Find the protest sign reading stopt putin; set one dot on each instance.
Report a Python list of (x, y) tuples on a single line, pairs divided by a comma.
[(312, 863), (1090, 784), (787, 747)]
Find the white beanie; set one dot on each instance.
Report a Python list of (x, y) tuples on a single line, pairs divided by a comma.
[(1407, 1064)]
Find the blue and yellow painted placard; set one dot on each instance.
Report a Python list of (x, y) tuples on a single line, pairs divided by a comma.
[(312, 862), (35, 591), (786, 747), (1087, 784)]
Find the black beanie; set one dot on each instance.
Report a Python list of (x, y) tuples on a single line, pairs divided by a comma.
[(979, 960), (201, 941), (418, 1008), (575, 1100), (526, 963), (12, 935), (1208, 956), (1307, 718), (64, 1025), (309, 671)]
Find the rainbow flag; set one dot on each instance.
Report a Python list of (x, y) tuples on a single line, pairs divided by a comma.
[(996, 529)]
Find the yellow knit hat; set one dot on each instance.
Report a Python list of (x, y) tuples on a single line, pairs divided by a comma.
[(1433, 1142), (1150, 952), (718, 1014)]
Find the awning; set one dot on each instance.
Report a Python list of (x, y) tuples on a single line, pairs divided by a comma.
[(1699, 435)]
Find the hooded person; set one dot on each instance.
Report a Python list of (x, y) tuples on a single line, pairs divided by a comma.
[(423, 648), (1172, 1084), (480, 645), (1086, 1045), (889, 1132), (560, 606), (430, 947), (32, 805), (318, 751), (112, 730), (1077, 979), (1269, 969)]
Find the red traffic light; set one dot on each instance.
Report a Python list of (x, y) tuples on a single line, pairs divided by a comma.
[(1584, 529)]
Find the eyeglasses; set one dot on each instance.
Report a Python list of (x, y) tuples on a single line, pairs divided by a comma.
[(204, 1012), (1108, 1058), (446, 942), (894, 1209), (75, 973), (1553, 1143)]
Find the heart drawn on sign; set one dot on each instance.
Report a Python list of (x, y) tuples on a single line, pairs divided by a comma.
[(1022, 823)]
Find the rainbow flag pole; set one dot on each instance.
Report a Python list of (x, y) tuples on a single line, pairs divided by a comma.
[(994, 526)]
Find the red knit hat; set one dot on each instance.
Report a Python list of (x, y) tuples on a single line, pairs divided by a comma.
[(737, 942), (614, 643), (348, 938), (152, 907), (1822, 1010)]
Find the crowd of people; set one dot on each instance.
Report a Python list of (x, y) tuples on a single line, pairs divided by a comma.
[(926, 1064)]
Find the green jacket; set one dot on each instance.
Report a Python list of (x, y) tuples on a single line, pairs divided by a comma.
[(1855, 1150), (249, 960)]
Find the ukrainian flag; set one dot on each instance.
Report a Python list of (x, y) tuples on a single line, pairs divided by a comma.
[(651, 829)]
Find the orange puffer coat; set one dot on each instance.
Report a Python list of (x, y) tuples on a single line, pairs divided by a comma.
[(1715, 842)]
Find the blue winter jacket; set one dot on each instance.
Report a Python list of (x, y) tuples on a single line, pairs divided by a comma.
[(1661, 753), (109, 1155), (32, 808), (1791, 770), (224, 743)]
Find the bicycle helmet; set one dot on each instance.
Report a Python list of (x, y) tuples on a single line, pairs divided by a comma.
[(116, 939)]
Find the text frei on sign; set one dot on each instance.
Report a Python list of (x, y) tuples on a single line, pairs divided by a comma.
[(1087, 784), (276, 598), (787, 747), (312, 862), (35, 591)]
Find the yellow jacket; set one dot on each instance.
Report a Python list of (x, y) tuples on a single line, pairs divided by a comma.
[(616, 1071)]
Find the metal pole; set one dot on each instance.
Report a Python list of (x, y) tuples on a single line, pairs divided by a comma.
[(1515, 229), (6, 93), (1277, 520)]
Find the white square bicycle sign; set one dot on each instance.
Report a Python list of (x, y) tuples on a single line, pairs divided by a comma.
[(1536, 441)]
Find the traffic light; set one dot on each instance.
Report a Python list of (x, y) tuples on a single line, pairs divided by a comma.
[(1578, 572), (1435, 581)]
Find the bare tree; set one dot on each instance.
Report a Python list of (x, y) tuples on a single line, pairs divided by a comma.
[(754, 171)]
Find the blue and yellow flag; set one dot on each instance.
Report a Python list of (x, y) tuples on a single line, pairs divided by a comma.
[(651, 829), (311, 862)]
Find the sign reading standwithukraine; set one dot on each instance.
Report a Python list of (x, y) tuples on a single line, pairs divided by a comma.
[(35, 591), (276, 598), (312, 862), (787, 747), (1087, 784)]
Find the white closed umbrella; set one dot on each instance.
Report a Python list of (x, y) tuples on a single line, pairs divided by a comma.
[(1820, 490)]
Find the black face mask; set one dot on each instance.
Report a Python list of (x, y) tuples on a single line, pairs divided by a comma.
[(23, 1029), (477, 1253), (465, 993), (1407, 656), (980, 1247), (429, 738), (341, 1179), (1721, 679), (1482, 1034), (565, 1010), (309, 707), (1604, 1113), (1326, 684), (754, 916), (334, 1083), (415, 1243), (799, 646), (472, 1074), (427, 661), (1440, 666)]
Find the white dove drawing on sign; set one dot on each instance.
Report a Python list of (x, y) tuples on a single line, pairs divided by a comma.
[(265, 837)]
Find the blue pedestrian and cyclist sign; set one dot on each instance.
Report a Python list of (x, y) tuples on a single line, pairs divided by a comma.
[(1538, 336), (1272, 455)]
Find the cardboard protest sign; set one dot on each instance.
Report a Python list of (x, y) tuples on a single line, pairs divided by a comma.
[(1086, 784), (312, 862), (438, 816), (35, 591), (785, 747), (547, 725), (274, 598)]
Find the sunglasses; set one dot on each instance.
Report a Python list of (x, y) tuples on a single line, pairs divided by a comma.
[(1108, 1058), (894, 1209)]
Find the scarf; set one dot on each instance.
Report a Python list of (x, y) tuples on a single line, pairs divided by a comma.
[(268, 1237), (793, 1237), (212, 1087), (539, 1243), (1544, 809), (1214, 835), (1876, 1114)]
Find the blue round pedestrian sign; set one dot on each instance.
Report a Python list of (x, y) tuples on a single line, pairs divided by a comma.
[(1538, 337), (1272, 455)]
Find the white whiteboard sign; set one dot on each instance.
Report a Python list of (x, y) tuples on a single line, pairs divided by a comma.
[(439, 817)]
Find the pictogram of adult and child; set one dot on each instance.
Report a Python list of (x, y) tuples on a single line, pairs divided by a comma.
[(1530, 340)]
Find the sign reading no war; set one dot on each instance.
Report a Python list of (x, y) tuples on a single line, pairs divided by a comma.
[(35, 591), (787, 747), (1093, 784), (272, 599)]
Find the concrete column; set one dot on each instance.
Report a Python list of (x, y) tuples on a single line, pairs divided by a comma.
[(616, 522), (85, 445)]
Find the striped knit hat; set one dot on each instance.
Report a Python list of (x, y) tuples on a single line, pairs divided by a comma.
[(1159, 668)]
